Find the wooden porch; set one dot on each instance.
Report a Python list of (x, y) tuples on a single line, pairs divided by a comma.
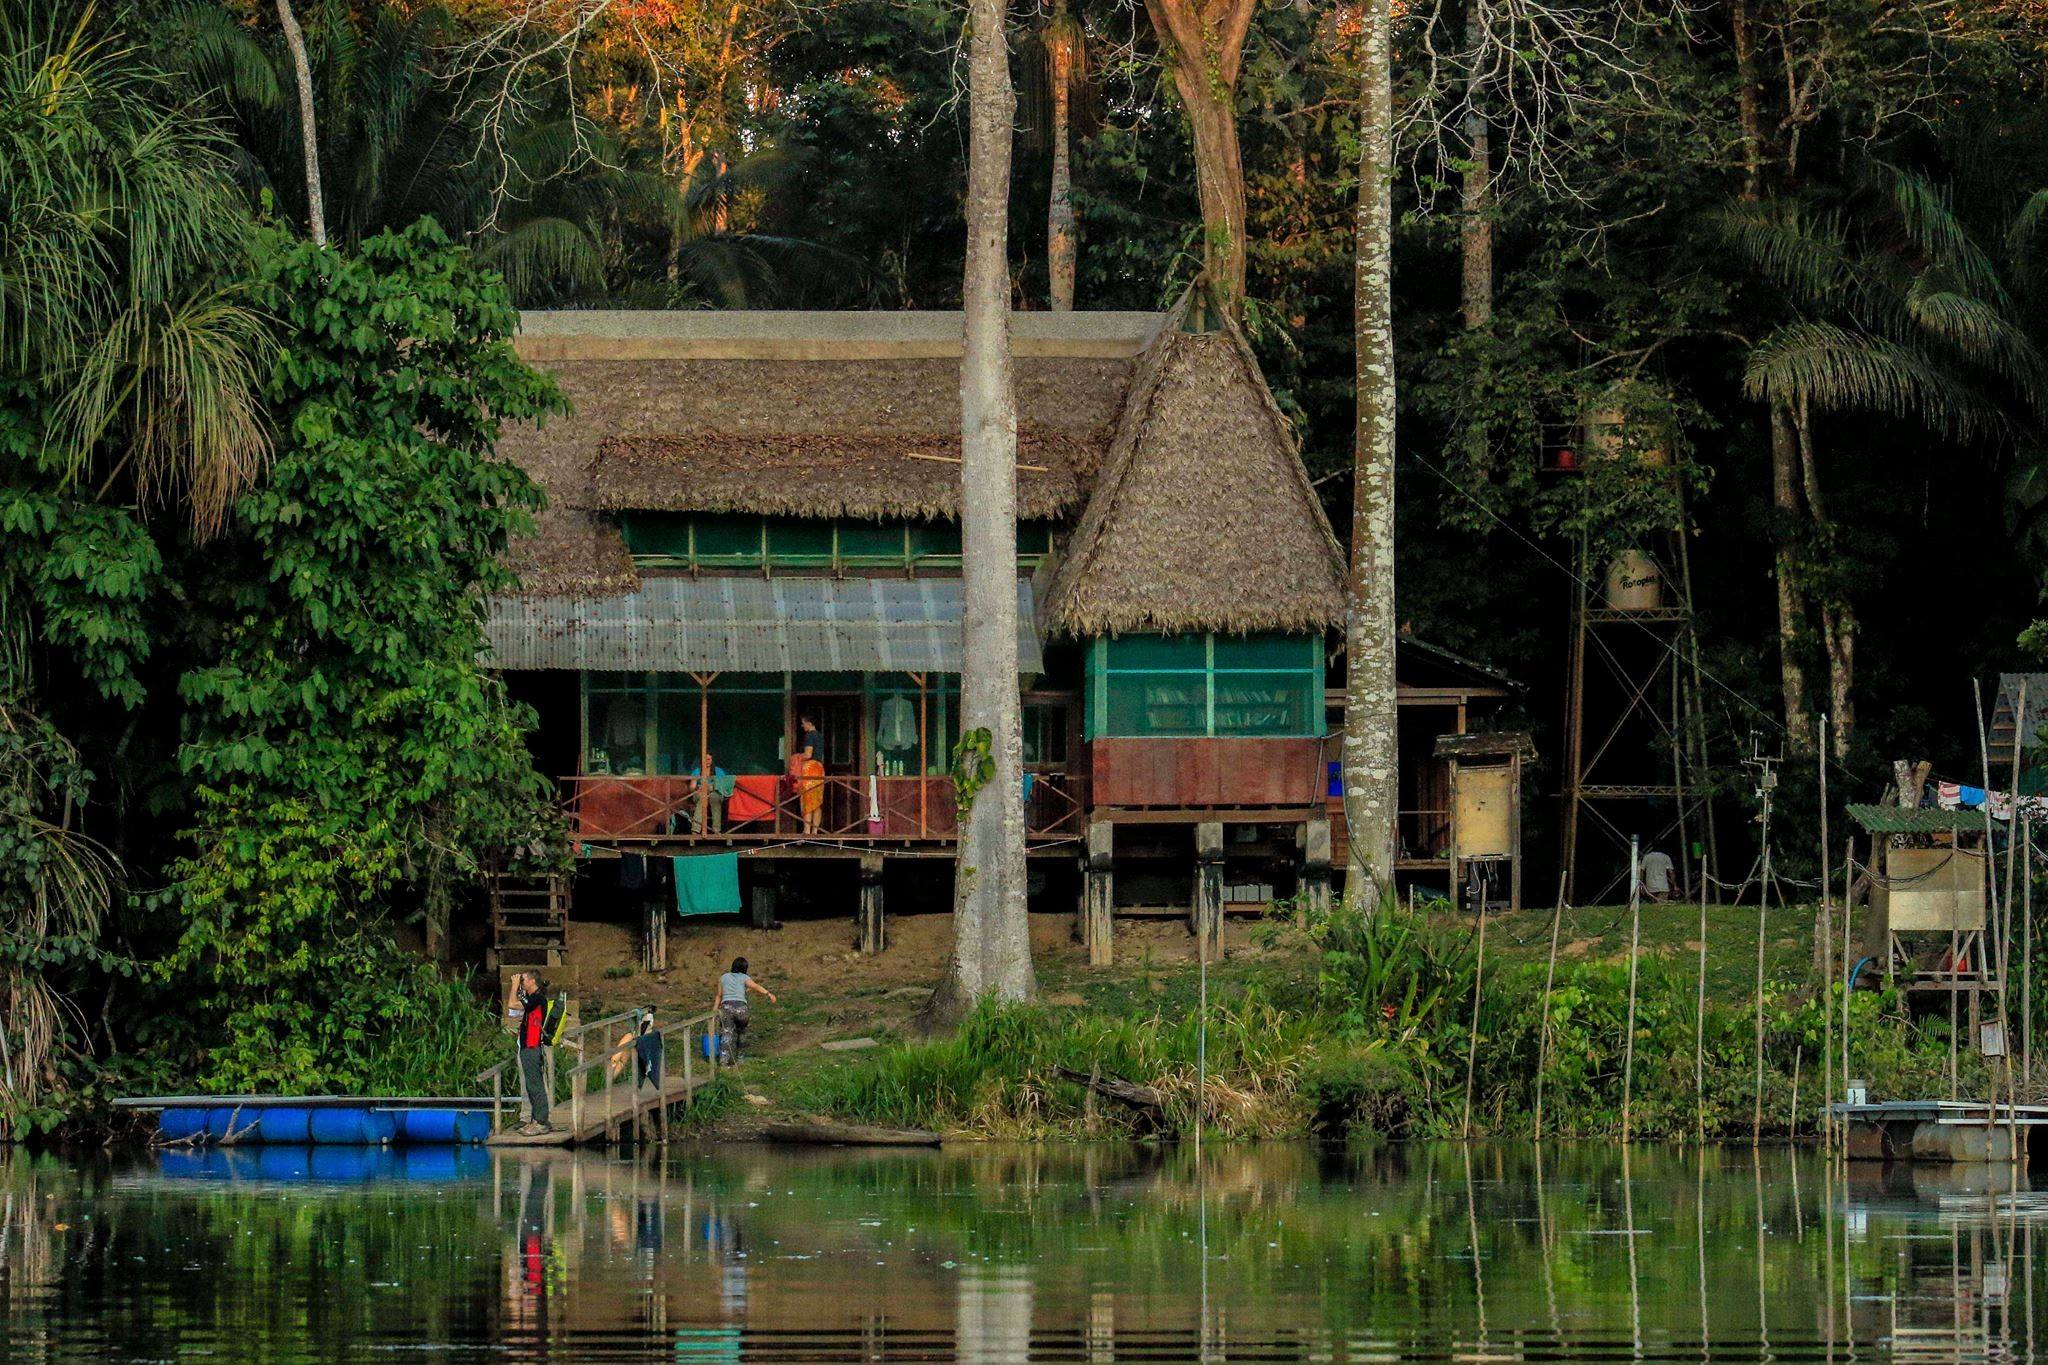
[(766, 811)]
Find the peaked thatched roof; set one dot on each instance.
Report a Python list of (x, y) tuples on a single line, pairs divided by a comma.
[(815, 414), (1203, 518)]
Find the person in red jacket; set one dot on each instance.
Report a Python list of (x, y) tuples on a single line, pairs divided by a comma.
[(528, 1003)]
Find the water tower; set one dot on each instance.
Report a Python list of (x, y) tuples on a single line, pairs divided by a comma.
[(1634, 753)]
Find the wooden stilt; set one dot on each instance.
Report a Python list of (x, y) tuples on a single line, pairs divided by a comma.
[(873, 933), (1098, 893), (1208, 909), (1549, 981), (1316, 866)]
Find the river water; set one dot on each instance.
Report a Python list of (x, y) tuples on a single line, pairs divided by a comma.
[(1268, 1252)]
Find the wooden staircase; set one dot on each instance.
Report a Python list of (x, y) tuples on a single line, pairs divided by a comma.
[(529, 920)]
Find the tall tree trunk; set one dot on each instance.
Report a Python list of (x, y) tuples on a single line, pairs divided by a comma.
[(1368, 770), (991, 938), (1475, 225), (1748, 117), (309, 134), (1837, 616), (1204, 44), (1792, 624), (1062, 36)]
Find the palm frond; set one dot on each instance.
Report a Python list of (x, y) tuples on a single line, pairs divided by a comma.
[(544, 252), (1810, 257), (1982, 335), (1931, 224), (1835, 369)]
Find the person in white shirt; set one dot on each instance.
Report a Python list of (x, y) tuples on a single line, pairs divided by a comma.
[(1657, 883)]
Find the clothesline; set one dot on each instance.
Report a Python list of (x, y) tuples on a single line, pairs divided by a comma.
[(1999, 805)]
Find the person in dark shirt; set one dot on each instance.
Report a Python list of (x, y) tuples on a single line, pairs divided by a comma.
[(528, 1003)]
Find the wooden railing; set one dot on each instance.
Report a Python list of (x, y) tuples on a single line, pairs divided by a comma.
[(618, 1063), (841, 808)]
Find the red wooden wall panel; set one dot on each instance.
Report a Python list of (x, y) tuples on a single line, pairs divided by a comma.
[(1196, 773)]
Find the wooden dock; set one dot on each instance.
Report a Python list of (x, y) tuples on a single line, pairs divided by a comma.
[(610, 1116), (605, 1105)]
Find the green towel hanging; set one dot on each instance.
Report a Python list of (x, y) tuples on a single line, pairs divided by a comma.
[(708, 884)]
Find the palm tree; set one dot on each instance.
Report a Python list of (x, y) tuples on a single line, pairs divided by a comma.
[(1897, 308), (120, 240)]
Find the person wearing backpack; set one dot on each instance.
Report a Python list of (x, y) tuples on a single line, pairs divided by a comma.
[(528, 1003)]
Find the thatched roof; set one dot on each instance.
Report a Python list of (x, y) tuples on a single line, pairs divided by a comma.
[(1204, 518), (861, 473), (794, 413)]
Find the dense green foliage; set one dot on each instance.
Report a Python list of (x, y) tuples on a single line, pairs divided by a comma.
[(349, 752), (1376, 1040)]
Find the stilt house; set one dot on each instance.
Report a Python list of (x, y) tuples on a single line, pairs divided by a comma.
[(753, 522)]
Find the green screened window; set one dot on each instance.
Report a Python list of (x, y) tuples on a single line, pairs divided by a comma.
[(1182, 686), (647, 723), (740, 540)]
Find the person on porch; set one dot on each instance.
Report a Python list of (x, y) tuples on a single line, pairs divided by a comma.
[(707, 805)]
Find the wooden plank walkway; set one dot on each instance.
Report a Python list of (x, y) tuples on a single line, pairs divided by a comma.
[(607, 1113)]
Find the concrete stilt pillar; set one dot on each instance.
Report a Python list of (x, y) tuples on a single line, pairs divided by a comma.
[(1098, 895), (873, 933), (1315, 867), (657, 934), (1208, 910)]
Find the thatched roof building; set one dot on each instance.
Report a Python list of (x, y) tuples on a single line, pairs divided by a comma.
[(1203, 519), (1160, 447)]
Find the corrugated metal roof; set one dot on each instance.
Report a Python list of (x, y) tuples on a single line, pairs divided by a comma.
[(1925, 820), (750, 625)]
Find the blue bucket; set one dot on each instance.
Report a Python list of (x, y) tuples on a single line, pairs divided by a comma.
[(291, 1127), (181, 1124)]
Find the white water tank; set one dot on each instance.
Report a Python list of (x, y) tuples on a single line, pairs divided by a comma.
[(1634, 582)]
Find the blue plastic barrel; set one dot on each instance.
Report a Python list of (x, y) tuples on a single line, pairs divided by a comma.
[(443, 1126), (347, 1126), (291, 1126), (181, 1124), (428, 1161)]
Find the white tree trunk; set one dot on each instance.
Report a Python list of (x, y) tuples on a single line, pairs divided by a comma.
[(991, 937), (1792, 621), (309, 135), (1369, 772)]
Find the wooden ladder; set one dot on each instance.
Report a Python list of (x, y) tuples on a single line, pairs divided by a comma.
[(529, 920)]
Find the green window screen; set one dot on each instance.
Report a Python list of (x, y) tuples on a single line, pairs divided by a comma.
[(871, 541), (795, 539), (728, 536), (934, 538), (1192, 685), (1034, 538), (663, 535), (1156, 653), (1264, 704)]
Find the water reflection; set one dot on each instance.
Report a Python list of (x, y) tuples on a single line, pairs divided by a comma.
[(1009, 1254)]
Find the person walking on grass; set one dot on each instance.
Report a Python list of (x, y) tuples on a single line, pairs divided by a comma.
[(528, 1003), (731, 1010)]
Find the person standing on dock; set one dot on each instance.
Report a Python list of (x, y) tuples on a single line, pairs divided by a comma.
[(731, 1011), (528, 1003)]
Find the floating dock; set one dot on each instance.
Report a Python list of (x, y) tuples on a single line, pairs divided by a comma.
[(317, 1120), (1940, 1130)]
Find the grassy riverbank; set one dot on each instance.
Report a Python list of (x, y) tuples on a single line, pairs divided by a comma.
[(1363, 1025)]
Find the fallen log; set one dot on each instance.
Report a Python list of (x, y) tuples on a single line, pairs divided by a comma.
[(817, 1134), (1142, 1098)]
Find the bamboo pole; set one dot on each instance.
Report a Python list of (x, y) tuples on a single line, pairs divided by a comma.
[(1792, 1119), (1699, 1025), (1827, 950), (1763, 905), (1848, 968), (2027, 949), (1628, 1050), (1472, 1044), (1549, 980), (1994, 921)]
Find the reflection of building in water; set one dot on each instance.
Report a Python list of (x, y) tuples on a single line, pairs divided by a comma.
[(993, 1314), (1959, 1284)]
